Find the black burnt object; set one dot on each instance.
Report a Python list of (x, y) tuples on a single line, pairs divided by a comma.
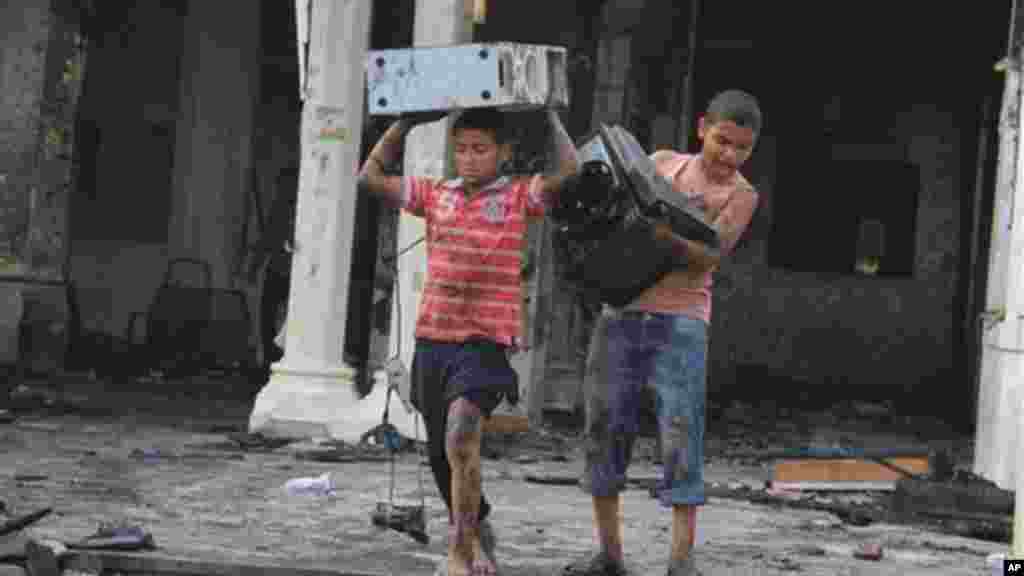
[(409, 520), (604, 221)]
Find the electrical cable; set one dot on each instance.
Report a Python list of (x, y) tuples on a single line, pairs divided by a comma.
[(393, 264)]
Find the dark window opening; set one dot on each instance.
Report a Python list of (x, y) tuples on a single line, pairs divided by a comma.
[(849, 217), (126, 131)]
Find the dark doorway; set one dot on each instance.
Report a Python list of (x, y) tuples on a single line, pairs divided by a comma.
[(126, 132), (392, 27)]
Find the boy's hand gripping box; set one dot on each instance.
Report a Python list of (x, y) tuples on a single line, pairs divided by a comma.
[(504, 75)]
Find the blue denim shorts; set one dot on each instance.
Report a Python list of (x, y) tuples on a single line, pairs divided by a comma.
[(630, 350), (478, 370)]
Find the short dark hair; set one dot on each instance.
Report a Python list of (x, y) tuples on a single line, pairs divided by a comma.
[(486, 119), (735, 106)]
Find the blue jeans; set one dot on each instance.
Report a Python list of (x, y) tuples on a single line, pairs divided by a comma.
[(630, 350)]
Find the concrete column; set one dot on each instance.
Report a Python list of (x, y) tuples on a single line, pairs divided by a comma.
[(312, 392), (438, 23), (25, 28), (997, 447)]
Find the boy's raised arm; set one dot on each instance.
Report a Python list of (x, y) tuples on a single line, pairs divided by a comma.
[(566, 163), (373, 177)]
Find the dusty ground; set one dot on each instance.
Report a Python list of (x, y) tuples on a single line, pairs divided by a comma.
[(161, 462)]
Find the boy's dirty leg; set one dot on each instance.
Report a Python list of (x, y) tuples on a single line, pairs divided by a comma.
[(682, 538), (608, 514), (465, 430)]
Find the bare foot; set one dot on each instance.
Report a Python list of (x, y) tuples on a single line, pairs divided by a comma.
[(460, 554), (458, 567)]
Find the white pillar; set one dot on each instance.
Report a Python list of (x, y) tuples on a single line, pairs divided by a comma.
[(997, 447), (311, 392), (1018, 501), (437, 23)]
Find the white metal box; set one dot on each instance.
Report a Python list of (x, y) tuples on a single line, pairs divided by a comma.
[(504, 75)]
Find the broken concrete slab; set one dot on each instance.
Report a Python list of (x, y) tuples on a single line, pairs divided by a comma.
[(15, 524), (157, 564), (826, 486), (848, 470), (41, 559), (339, 452), (12, 547), (40, 425), (258, 442), (969, 495), (12, 570)]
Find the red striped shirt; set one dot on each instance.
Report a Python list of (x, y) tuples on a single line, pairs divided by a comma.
[(474, 256)]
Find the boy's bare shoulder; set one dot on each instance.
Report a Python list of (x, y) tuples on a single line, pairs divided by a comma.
[(668, 161), (743, 186), (665, 155)]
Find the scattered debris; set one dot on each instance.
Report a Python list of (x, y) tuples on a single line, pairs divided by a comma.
[(388, 436), (785, 563), (341, 453), (224, 429), (36, 400), (153, 455), (827, 486), (640, 483), (929, 545), (539, 444), (552, 480), (868, 551), (811, 550), (116, 537), (966, 505), (21, 522), (853, 513), (38, 425), (257, 442), (211, 456), (242, 442), (965, 492), (25, 399), (41, 559), (318, 486), (784, 493), (872, 410), (12, 547), (409, 520)]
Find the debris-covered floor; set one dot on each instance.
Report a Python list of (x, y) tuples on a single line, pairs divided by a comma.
[(175, 463)]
